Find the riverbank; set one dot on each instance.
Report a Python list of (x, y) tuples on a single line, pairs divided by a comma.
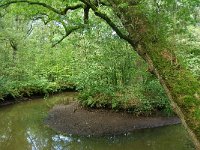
[(76, 120), (9, 99)]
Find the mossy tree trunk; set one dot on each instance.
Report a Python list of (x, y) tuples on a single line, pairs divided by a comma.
[(181, 87)]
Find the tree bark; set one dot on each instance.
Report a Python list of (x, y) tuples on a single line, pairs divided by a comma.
[(183, 90), (181, 87), (14, 48)]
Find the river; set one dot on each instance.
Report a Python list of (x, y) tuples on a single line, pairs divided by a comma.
[(22, 128)]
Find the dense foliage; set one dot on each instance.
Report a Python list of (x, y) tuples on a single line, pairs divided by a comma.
[(113, 76), (104, 69), (28, 63), (160, 31)]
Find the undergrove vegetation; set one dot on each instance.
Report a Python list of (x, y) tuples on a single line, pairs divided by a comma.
[(101, 66), (111, 51)]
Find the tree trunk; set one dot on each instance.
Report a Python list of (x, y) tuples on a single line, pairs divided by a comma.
[(182, 88), (13, 44)]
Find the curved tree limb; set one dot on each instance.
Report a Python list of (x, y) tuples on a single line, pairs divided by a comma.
[(86, 6), (49, 7), (68, 31), (32, 3), (108, 20), (37, 17), (67, 8)]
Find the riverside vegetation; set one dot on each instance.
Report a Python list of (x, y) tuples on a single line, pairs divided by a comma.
[(104, 69), (48, 46)]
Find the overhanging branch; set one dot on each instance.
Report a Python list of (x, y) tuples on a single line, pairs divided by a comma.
[(68, 31), (49, 7), (32, 3), (107, 19), (67, 8), (86, 4)]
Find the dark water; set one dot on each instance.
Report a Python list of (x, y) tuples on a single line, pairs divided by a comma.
[(22, 128)]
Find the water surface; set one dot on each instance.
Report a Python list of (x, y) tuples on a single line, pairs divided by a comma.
[(22, 128)]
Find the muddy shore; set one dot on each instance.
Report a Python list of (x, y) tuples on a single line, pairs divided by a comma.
[(76, 120)]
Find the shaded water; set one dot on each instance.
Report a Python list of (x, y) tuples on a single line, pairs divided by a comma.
[(22, 128)]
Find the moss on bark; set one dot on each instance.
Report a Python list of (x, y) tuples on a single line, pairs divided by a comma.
[(182, 88)]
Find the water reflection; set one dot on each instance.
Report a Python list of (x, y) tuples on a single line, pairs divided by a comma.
[(22, 128)]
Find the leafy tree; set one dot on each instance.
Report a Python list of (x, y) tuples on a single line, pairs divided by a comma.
[(151, 28), (34, 67)]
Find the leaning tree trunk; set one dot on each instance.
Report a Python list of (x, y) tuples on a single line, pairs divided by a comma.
[(182, 88)]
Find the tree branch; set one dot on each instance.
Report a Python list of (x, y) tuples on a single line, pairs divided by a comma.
[(33, 3), (86, 14), (108, 20), (67, 32), (67, 8), (101, 2), (43, 16), (57, 11)]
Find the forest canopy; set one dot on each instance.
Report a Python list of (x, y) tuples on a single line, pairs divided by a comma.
[(51, 45)]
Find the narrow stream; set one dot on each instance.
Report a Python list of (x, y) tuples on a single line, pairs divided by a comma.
[(22, 128)]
